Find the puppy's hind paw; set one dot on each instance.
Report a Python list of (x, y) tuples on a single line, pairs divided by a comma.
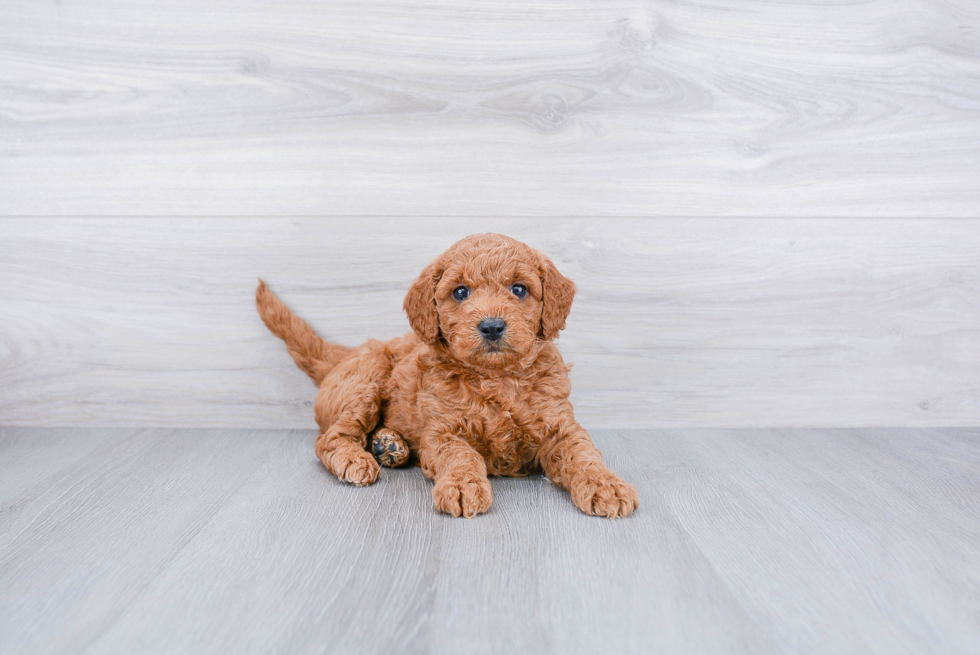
[(389, 448)]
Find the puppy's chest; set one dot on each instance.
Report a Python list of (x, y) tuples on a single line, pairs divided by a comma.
[(503, 419)]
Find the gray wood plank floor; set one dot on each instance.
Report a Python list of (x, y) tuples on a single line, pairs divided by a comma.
[(747, 541)]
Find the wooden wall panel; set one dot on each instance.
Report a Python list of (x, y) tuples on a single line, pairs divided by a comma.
[(678, 322), (490, 108)]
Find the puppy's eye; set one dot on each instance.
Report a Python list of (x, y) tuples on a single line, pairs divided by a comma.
[(519, 290), (461, 293)]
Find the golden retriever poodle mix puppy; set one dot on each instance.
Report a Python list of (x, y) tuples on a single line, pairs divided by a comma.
[(477, 388)]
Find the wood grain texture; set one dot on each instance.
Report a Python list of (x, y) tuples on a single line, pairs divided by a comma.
[(721, 322), (747, 541), (79, 545), (490, 108)]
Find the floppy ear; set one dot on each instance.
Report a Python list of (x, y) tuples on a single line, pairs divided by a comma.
[(420, 304), (557, 292)]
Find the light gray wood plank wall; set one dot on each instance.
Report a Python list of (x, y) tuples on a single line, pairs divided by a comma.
[(490, 107), (681, 322), (411, 110)]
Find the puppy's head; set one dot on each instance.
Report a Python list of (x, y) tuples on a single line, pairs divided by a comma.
[(491, 301)]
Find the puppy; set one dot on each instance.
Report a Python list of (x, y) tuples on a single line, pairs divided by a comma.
[(477, 389)]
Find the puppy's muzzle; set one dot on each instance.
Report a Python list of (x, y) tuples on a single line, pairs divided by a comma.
[(492, 329)]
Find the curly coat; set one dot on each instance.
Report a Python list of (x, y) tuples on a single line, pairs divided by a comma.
[(467, 407)]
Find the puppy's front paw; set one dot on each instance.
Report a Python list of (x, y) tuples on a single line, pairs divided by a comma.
[(350, 464), (361, 470), (603, 493), (462, 494)]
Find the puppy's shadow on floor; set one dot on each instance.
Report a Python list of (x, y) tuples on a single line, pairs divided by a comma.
[(407, 486), (404, 494)]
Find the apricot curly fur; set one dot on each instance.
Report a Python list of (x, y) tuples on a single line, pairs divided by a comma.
[(464, 407)]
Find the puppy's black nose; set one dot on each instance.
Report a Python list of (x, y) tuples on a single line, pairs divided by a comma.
[(492, 328)]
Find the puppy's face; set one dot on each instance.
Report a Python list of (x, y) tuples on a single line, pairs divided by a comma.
[(489, 309), (491, 301)]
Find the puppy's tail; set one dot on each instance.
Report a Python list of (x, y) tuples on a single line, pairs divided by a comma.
[(311, 353)]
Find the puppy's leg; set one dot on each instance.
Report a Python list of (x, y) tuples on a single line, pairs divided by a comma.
[(571, 461), (460, 474), (347, 409)]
